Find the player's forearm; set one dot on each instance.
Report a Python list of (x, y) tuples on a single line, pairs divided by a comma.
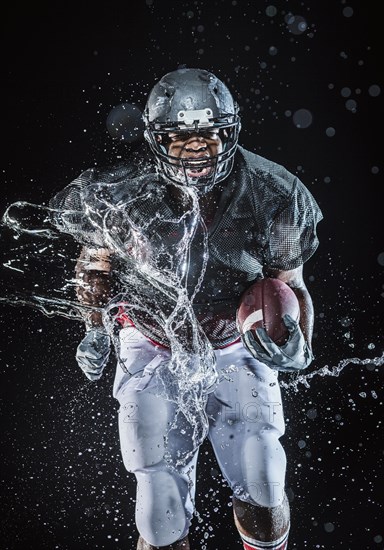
[(94, 288)]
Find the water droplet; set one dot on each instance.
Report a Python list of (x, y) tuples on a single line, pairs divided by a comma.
[(348, 11), (380, 258), (346, 92), (374, 90), (302, 118), (351, 105), (271, 11), (312, 413), (296, 23)]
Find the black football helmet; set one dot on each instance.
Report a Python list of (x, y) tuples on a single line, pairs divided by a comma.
[(188, 102)]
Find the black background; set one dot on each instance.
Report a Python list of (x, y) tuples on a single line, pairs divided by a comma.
[(64, 68)]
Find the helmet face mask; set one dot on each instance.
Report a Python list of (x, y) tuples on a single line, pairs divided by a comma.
[(192, 126)]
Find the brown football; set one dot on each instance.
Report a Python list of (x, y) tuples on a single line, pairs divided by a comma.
[(263, 305)]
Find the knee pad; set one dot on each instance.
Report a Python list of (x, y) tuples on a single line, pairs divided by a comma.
[(163, 507), (267, 494), (263, 469)]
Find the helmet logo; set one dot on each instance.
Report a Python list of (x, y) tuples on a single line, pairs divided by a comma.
[(200, 116)]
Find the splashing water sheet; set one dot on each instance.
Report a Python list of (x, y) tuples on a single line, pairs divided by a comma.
[(191, 370), (335, 370)]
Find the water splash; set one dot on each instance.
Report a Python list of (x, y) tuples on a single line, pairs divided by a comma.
[(154, 282), (336, 370), (190, 373)]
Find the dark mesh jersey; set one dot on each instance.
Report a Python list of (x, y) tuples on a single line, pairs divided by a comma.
[(266, 217)]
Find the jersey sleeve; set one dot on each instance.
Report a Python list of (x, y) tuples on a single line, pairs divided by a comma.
[(69, 212), (293, 231)]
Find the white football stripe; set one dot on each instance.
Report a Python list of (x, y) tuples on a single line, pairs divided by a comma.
[(252, 318)]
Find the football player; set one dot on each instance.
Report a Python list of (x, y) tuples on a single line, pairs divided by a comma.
[(255, 219)]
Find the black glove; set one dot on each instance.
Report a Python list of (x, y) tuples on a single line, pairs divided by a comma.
[(93, 352), (293, 356)]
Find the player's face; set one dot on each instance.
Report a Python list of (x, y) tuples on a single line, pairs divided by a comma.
[(198, 147)]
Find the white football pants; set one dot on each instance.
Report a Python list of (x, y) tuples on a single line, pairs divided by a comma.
[(246, 421)]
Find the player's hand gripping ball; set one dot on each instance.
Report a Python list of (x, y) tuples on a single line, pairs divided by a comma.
[(268, 322), (93, 352)]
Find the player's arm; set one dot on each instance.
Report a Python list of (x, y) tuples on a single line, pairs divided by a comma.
[(292, 239), (296, 353), (94, 289)]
